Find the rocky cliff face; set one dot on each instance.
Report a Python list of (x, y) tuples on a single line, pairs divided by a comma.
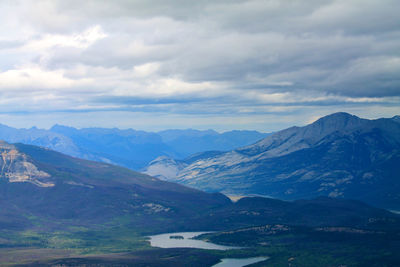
[(16, 167), (164, 168), (339, 155)]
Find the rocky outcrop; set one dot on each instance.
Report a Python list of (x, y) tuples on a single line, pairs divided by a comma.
[(164, 168), (16, 167)]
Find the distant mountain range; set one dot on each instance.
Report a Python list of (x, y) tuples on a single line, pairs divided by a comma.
[(129, 148), (339, 155)]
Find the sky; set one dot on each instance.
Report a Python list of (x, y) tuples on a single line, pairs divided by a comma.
[(151, 65)]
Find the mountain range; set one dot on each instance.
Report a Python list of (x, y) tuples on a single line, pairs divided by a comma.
[(339, 155), (44, 189), (57, 210), (130, 148)]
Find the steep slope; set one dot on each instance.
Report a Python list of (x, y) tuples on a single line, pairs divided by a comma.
[(16, 167), (60, 190), (339, 155), (165, 168)]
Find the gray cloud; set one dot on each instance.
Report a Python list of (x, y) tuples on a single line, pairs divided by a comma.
[(203, 57)]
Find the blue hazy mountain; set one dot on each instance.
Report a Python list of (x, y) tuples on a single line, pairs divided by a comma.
[(339, 155), (130, 148), (188, 142)]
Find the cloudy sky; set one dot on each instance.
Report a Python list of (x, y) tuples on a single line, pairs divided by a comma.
[(151, 65)]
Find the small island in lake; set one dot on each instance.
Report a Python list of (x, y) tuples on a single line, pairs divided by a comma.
[(176, 237)]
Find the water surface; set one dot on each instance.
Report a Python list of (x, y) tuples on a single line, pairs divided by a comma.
[(239, 262), (164, 241)]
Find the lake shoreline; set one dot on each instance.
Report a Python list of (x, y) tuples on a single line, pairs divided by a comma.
[(186, 240)]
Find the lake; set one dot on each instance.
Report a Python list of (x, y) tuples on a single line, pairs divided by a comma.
[(165, 241), (184, 240), (239, 262)]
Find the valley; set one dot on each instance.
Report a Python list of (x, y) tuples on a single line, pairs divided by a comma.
[(61, 210), (173, 133), (278, 244)]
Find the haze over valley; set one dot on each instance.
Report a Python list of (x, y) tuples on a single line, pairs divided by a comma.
[(96, 207), (200, 133)]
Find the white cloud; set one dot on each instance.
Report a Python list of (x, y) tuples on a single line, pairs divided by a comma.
[(35, 78), (251, 60), (80, 40)]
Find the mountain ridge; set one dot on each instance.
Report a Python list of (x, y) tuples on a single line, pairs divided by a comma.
[(98, 208), (83, 192), (65, 191), (129, 148), (339, 155)]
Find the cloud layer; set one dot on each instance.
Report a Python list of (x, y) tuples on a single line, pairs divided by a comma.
[(259, 64)]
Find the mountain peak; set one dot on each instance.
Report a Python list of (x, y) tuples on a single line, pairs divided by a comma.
[(340, 114), (339, 117), (340, 121), (297, 138), (57, 127), (339, 155)]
